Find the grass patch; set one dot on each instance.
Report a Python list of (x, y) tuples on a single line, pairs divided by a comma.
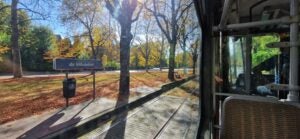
[(187, 90)]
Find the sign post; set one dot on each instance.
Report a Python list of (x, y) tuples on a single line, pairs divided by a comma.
[(75, 65)]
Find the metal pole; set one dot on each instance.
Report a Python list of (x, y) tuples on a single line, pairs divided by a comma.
[(248, 64), (226, 10), (67, 99), (277, 81), (94, 85), (283, 20), (294, 54), (67, 102)]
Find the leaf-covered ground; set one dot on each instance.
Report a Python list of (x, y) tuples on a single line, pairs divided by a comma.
[(21, 98)]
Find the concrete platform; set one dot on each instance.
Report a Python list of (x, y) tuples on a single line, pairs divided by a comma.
[(165, 117), (38, 126)]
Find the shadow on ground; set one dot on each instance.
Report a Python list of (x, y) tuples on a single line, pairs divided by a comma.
[(118, 124), (47, 126)]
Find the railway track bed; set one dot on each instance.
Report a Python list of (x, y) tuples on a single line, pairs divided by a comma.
[(164, 117)]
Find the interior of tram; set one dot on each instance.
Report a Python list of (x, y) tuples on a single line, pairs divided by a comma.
[(242, 97)]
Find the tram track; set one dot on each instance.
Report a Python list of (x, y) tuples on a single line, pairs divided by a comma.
[(147, 121), (165, 124)]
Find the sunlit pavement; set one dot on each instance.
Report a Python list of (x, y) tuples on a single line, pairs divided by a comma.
[(164, 117), (40, 125), (37, 126), (167, 116)]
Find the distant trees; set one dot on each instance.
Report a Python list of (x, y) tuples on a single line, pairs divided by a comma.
[(146, 31), (38, 41), (162, 52), (168, 15), (260, 51), (188, 32), (85, 14), (179, 60), (4, 30), (65, 48), (194, 52), (138, 58)]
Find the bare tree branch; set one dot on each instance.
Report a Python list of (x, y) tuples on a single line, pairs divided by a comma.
[(157, 15), (26, 8), (138, 14), (113, 8), (4, 7), (183, 11)]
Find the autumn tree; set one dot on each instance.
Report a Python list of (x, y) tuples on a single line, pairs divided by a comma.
[(147, 32), (162, 51), (104, 38), (135, 58), (54, 50), (187, 33), (64, 48), (123, 11), (84, 13), (194, 52), (4, 29), (77, 50), (38, 41), (179, 58), (167, 14), (14, 22)]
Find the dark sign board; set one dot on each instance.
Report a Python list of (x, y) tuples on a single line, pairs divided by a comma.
[(75, 64)]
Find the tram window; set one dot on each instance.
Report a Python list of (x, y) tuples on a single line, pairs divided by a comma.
[(264, 61)]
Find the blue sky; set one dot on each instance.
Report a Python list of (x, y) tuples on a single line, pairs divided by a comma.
[(49, 9), (53, 22)]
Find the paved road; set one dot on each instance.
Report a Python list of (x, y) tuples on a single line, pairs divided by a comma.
[(45, 74), (40, 74)]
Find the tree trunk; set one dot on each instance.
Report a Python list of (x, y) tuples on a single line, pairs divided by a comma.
[(172, 42), (161, 54), (195, 56), (126, 38), (17, 63), (146, 64), (136, 60), (172, 61), (92, 44), (161, 61), (184, 60)]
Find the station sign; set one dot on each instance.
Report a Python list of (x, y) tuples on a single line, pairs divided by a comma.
[(76, 64)]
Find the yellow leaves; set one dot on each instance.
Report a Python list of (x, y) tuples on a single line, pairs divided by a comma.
[(104, 60), (3, 50), (104, 38), (137, 55)]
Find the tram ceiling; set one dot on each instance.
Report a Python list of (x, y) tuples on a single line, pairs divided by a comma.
[(259, 15)]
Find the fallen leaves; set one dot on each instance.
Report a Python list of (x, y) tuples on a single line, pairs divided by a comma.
[(24, 97)]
